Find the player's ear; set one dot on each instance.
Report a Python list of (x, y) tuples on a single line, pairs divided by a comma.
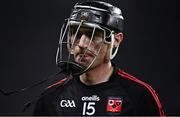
[(118, 38)]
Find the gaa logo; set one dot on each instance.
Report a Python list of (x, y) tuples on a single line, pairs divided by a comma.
[(67, 103)]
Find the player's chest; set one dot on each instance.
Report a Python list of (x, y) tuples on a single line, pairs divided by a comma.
[(93, 103)]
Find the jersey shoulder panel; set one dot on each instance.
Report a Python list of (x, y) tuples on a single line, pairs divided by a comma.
[(141, 86), (57, 85), (42, 106), (60, 82)]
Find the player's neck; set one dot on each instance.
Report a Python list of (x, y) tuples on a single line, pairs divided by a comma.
[(98, 75)]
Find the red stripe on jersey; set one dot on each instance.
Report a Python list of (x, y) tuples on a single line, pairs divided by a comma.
[(128, 76), (57, 83)]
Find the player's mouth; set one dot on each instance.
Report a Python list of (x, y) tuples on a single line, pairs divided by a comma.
[(84, 57)]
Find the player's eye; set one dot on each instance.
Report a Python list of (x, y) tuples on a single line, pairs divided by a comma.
[(88, 34)]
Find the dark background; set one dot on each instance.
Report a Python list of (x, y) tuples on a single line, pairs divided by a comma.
[(29, 31)]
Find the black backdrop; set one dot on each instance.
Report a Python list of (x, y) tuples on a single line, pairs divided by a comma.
[(29, 37)]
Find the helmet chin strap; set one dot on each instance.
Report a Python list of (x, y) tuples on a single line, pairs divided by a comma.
[(112, 55)]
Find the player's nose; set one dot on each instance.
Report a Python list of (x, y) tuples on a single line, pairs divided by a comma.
[(84, 41)]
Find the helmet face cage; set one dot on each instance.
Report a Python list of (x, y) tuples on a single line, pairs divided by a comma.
[(89, 26), (75, 62)]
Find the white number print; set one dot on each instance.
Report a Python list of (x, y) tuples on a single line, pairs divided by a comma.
[(88, 108)]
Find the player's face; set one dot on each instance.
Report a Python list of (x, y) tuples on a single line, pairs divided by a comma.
[(86, 46)]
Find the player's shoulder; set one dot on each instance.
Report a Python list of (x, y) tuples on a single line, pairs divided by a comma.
[(135, 86), (138, 87), (57, 87), (51, 92), (131, 82)]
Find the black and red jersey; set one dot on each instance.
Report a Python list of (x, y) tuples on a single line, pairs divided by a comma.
[(123, 94)]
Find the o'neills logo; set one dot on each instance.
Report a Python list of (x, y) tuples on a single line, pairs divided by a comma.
[(91, 98)]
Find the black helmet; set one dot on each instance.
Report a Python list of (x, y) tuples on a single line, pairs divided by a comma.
[(99, 12)]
